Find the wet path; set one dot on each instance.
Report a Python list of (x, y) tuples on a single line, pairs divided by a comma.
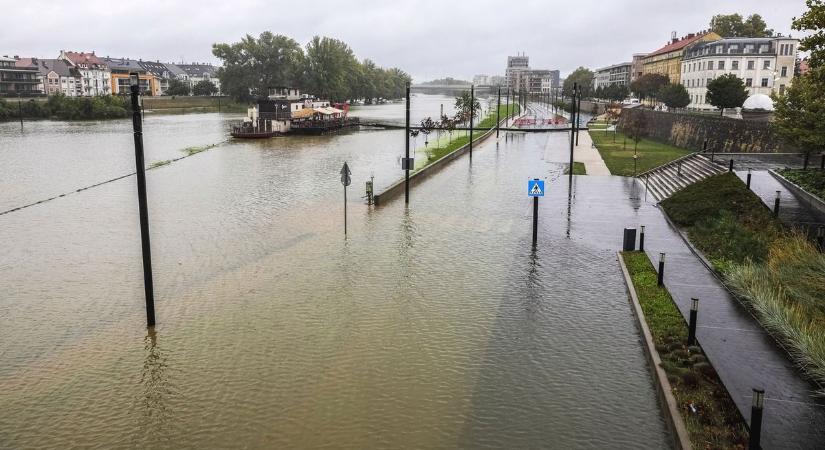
[(430, 327), (791, 210)]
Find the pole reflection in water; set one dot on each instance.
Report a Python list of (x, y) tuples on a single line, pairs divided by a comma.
[(570, 196), (156, 391)]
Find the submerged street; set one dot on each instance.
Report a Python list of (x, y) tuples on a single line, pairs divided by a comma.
[(430, 326)]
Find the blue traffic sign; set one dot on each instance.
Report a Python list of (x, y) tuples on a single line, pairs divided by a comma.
[(535, 188)]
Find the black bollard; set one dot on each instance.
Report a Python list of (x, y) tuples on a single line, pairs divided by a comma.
[(820, 238), (661, 280), (748, 179), (694, 310), (678, 167), (140, 172), (730, 166), (642, 239), (756, 418), (776, 205), (629, 241), (822, 162)]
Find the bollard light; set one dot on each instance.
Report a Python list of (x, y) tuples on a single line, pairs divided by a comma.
[(778, 193), (758, 398), (694, 309), (661, 257), (694, 304)]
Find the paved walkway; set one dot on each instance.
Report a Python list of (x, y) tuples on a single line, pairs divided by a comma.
[(744, 355), (791, 211), (586, 153)]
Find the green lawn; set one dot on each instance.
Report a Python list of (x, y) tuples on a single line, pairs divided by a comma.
[(776, 272), (578, 169), (617, 153), (717, 422), (812, 180)]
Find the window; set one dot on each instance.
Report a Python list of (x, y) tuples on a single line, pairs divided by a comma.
[(748, 82), (720, 65), (710, 65), (707, 82), (764, 82), (781, 89), (718, 49), (751, 65), (733, 49), (734, 65), (764, 48), (766, 64), (784, 71)]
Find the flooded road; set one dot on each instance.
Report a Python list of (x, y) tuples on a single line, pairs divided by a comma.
[(433, 326)]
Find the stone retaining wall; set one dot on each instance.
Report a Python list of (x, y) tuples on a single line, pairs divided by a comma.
[(723, 134)]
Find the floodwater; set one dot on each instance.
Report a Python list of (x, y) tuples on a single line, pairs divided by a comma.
[(433, 326)]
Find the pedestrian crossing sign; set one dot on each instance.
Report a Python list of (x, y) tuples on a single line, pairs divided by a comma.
[(535, 188)]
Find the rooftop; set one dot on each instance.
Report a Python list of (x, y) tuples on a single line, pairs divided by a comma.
[(678, 44)]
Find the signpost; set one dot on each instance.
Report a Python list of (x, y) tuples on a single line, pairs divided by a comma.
[(535, 189), (346, 180)]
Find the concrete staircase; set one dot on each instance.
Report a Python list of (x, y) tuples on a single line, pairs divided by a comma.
[(665, 180)]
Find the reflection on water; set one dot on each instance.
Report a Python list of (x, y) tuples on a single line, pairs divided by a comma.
[(430, 326)]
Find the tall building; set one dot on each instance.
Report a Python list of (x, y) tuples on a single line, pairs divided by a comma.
[(520, 77), (765, 65), (668, 59)]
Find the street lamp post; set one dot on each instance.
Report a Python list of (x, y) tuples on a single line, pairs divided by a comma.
[(140, 172)]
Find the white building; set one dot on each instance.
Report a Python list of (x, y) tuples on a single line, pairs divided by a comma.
[(481, 80), (95, 76), (200, 72), (765, 65), (617, 74)]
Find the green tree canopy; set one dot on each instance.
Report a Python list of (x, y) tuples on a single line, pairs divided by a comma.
[(649, 84), (734, 25), (813, 21), (464, 104), (799, 114), (726, 91), (177, 87), (332, 70), (674, 95), (584, 78), (252, 66), (204, 87)]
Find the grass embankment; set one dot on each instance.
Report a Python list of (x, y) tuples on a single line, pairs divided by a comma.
[(578, 169), (193, 104), (716, 423), (617, 152), (812, 181), (776, 272), (461, 137)]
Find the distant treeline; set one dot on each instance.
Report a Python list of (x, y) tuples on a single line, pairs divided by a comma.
[(327, 68), (67, 108), (446, 82)]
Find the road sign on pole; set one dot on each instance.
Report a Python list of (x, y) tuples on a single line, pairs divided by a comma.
[(535, 188)]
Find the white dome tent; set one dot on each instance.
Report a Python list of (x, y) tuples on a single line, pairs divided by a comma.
[(758, 107)]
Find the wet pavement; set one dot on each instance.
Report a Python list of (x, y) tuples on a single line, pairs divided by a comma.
[(791, 211)]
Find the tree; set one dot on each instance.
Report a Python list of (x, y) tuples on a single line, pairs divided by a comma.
[(726, 91), (464, 104), (674, 95), (252, 66), (584, 78), (177, 87), (635, 126), (813, 21), (331, 71), (615, 92), (649, 85), (799, 114), (733, 25), (204, 87)]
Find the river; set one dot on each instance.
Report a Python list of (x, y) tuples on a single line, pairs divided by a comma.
[(433, 326)]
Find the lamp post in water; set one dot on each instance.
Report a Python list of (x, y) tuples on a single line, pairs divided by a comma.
[(346, 179), (140, 172)]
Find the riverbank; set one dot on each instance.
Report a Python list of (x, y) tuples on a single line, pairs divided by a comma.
[(776, 273), (703, 404), (463, 137), (617, 150)]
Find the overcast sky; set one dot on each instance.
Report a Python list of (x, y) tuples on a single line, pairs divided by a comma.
[(428, 39)]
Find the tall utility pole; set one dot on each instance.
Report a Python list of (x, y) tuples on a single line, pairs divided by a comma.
[(498, 111), (507, 107), (572, 131), (578, 113), (20, 109), (140, 172), (472, 115), (407, 151)]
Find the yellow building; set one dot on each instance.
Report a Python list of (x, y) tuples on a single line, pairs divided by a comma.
[(668, 59)]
